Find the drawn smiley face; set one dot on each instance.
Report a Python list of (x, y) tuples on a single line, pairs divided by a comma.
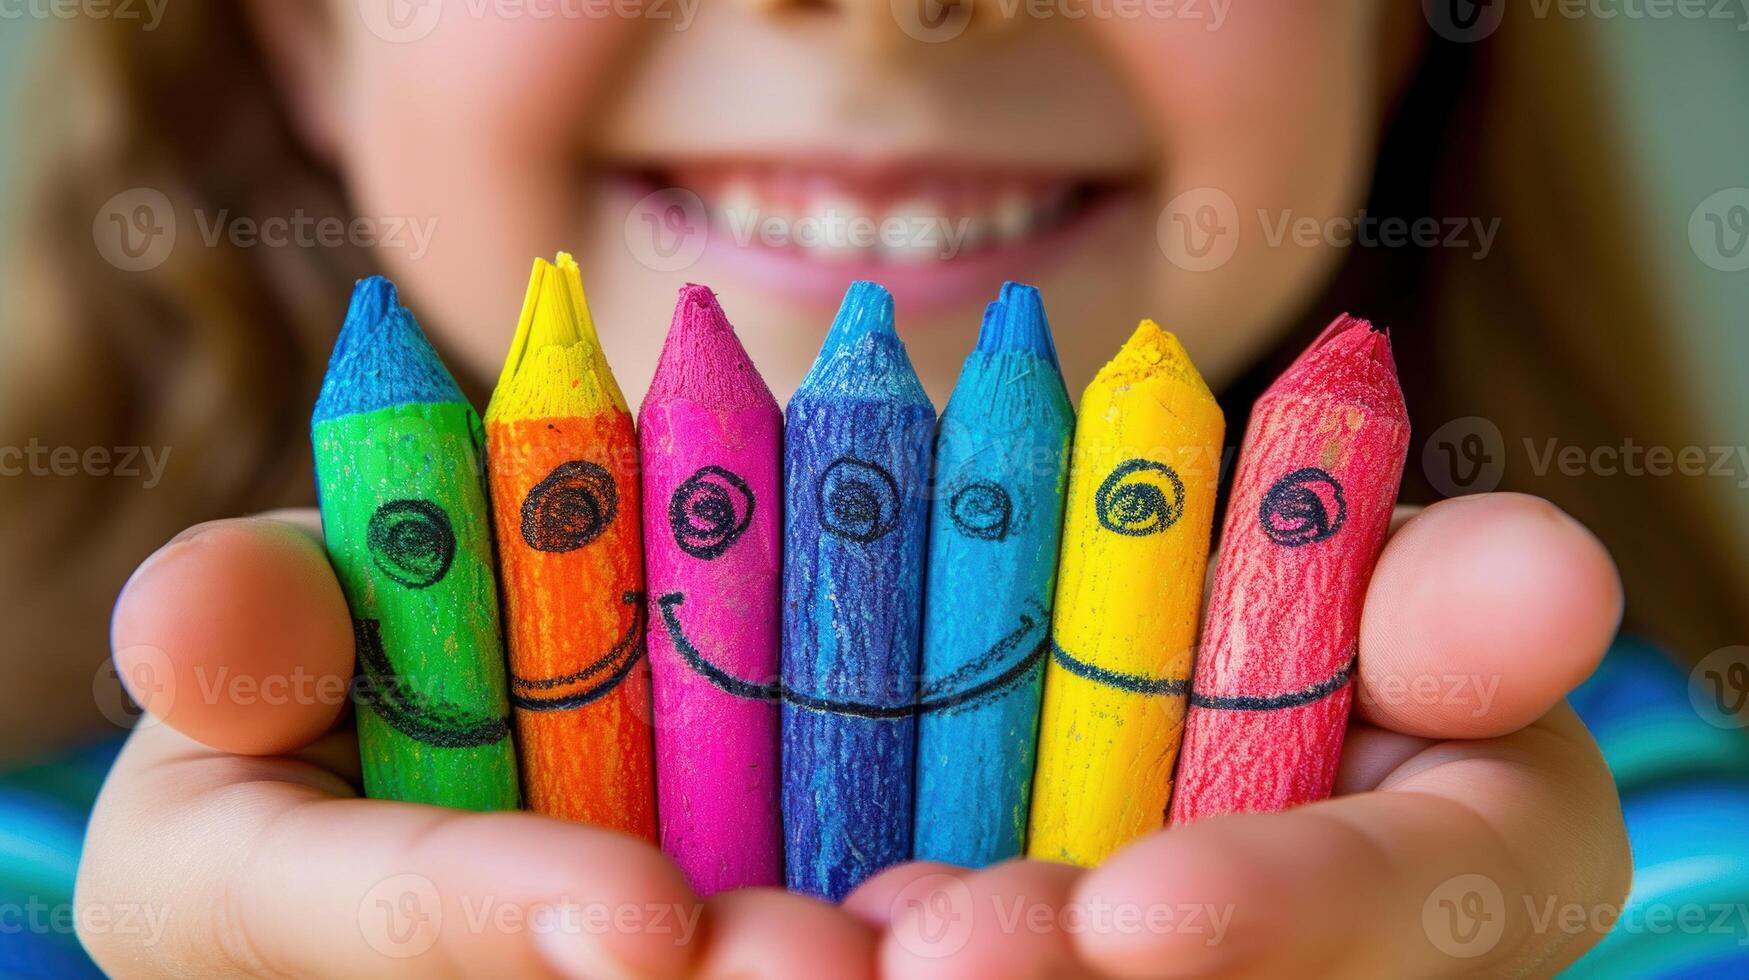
[(858, 501), (568, 510), (412, 543)]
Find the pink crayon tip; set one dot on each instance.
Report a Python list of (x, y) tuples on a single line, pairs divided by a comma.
[(703, 361)]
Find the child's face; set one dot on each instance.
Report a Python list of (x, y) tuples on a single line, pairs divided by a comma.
[(1035, 144)]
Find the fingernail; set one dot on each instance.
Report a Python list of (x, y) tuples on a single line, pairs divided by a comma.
[(580, 956)]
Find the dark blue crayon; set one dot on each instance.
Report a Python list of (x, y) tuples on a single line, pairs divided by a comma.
[(856, 470), (1001, 462)]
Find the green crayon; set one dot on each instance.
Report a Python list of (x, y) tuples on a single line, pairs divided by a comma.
[(399, 474)]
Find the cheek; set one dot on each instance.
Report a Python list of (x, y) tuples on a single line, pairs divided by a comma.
[(1271, 116), (474, 132)]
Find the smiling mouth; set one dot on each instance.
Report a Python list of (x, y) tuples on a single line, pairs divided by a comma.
[(595, 680), (934, 696), (1180, 686), (916, 225)]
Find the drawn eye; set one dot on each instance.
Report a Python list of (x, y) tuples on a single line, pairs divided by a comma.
[(709, 512), (411, 541), (1304, 507), (858, 500), (982, 509), (570, 508), (1139, 498)]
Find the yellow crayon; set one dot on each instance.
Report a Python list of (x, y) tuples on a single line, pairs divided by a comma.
[(1129, 586)]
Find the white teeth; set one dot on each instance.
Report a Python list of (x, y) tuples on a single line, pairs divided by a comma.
[(738, 206), (833, 235), (1015, 215), (914, 231)]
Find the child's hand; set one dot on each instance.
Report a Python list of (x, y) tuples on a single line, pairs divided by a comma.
[(1480, 830), (239, 818)]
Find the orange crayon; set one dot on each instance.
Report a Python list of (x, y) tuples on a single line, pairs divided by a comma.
[(562, 468)]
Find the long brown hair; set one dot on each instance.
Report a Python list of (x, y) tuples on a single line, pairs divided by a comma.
[(215, 354)]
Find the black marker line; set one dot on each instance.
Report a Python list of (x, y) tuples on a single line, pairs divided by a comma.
[(431, 720), (1292, 699), (1133, 683), (622, 658), (970, 697)]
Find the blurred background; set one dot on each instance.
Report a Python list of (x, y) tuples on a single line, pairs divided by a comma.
[(1669, 719)]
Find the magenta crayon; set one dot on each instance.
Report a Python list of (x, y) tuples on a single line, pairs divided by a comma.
[(711, 439)]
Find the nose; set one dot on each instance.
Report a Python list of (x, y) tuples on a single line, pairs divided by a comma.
[(885, 24)]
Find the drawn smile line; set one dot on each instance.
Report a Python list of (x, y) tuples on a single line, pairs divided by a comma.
[(1178, 686), (931, 698), (618, 662), (427, 718)]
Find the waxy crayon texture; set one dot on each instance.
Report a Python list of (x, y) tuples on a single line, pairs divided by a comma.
[(562, 460), (711, 436), (1001, 462), (1129, 587), (855, 471), (405, 521), (1311, 506)]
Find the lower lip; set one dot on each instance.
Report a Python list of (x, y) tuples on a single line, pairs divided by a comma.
[(923, 287)]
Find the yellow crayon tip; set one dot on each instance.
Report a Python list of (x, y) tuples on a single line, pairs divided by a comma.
[(1151, 352), (555, 367)]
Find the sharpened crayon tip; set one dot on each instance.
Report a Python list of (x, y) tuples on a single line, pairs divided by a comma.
[(1150, 352), (703, 361), (867, 308), (381, 358), (1016, 322)]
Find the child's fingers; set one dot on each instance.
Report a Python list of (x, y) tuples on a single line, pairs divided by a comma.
[(237, 634), (1483, 613), (1478, 856), (250, 866), (1009, 920), (774, 935)]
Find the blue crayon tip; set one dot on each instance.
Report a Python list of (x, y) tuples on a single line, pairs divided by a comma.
[(1016, 323), (381, 358), (867, 308)]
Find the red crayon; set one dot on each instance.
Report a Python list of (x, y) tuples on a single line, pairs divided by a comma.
[(1311, 505)]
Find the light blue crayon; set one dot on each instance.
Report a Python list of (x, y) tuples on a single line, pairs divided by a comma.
[(1001, 464), (856, 471)]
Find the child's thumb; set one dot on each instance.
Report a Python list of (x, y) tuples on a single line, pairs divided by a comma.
[(236, 633)]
